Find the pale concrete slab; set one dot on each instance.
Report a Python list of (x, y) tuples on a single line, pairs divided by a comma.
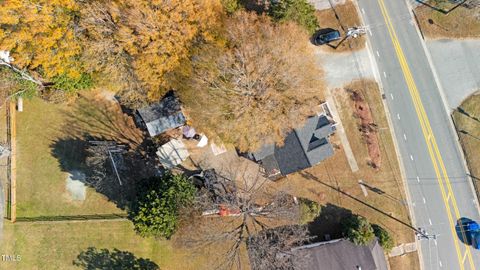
[(342, 68), (75, 185), (458, 67), (325, 4), (403, 249)]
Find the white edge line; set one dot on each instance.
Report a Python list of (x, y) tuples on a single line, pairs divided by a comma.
[(445, 104), (408, 195)]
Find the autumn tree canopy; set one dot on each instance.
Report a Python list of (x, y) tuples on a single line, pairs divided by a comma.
[(134, 44), (40, 36), (264, 83), (129, 46)]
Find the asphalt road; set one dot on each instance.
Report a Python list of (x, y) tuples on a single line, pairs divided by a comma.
[(438, 184)]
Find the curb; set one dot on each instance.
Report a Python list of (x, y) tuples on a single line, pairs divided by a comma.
[(376, 74), (453, 130)]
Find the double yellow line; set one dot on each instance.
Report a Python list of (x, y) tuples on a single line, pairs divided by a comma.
[(436, 157)]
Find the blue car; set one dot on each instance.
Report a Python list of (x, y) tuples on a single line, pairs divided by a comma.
[(469, 232)]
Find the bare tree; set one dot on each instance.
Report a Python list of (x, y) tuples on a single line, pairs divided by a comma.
[(100, 167), (263, 84), (272, 248), (23, 74), (227, 222)]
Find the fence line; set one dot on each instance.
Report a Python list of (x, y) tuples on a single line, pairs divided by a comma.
[(97, 217), (13, 162), (11, 180)]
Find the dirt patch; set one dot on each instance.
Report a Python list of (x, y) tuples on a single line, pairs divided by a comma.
[(99, 115), (462, 22), (341, 17), (366, 126)]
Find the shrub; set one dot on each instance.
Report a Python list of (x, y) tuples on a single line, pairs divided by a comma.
[(384, 237), (309, 210), (358, 230), (71, 85), (158, 205), (231, 6), (299, 11)]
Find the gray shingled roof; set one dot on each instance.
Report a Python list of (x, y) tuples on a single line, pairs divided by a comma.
[(162, 116), (342, 254), (303, 147), (291, 157)]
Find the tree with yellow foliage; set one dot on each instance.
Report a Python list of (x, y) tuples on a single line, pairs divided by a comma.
[(40, 36), (254, 91), (135, 44)]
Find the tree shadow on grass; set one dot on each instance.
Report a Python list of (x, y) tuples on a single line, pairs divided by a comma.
[(328, 225), (102, 118), (70, 153), (444, 7), (104, 259), (116, 175)]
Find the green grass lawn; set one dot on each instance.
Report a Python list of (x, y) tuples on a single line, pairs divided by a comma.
[(56, 245), (50, 139), (44, 153)]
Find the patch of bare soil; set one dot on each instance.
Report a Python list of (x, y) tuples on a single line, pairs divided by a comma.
[(367, 127)]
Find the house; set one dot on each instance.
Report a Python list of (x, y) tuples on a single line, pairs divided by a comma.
[(303, 147), (341, 254), (162, 116)]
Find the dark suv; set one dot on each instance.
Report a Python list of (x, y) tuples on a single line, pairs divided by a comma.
[(325, 36)]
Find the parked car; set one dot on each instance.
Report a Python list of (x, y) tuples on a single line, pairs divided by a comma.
[(324, 36)]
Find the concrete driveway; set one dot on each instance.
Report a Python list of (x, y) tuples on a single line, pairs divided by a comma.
[(457, 63), (342, 68)]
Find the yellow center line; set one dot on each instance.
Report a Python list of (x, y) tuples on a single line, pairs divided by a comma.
[(429, 137), (437, 152)]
